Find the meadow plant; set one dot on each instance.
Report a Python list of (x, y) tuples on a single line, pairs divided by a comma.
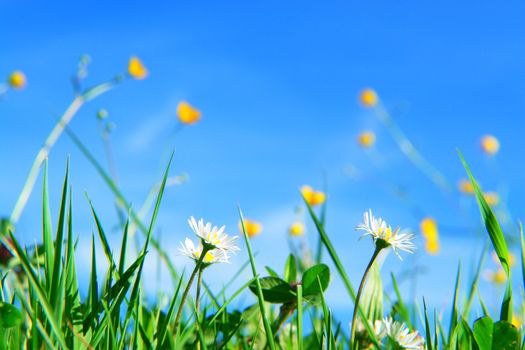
[(43, 306)]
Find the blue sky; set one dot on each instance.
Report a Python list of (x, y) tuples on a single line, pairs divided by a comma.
[(277, 84)]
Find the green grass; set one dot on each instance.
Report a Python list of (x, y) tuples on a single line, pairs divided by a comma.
[(42, 306)]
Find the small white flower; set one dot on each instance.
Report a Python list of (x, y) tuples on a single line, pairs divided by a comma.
[(406, 339), (380, 328), (371, 225), (213, 235), (379, 230), (212, 256), (399, 334)]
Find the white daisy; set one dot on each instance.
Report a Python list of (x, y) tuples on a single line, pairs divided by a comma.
[(404, 338), (380, 328), (371, 225), (213, 235), (399, 334), (212, 256), (383, 233)]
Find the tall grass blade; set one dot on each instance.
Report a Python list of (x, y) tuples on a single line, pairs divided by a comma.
[(498, 241), (260, 299), (454, 315), (123, 202)]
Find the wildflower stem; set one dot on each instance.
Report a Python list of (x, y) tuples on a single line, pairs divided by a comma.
[(42, 155), (358, 296), (197, 268), (52, 138), (410, 151), (104, 134), (197, 304)]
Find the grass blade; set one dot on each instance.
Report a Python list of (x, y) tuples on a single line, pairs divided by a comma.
[(260, 299), (498, 241)]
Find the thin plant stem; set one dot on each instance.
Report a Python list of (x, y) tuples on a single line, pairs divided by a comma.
[(197, 303), (205, 249), (106, 140), (358, 296), (42, 155), (51, 139), (410, 151)]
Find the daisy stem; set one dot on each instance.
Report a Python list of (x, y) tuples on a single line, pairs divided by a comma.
[(197, 304), (358, 296), (197, 268)]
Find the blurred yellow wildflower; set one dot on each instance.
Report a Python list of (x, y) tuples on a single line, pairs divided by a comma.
[(252, 228), (492, 198), (465, 186), (136, 69), (296, 229), (187, 114), (432, 246), (17, 80), (429, 230), (497, 277), (489, 145), (366, 139), (516, 321), (313, 197), (368, 98)]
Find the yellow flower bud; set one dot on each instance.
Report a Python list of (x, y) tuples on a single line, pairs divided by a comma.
[(366, 139), (428, 228), (492, 198), (497, 277), (489, 145), (313, 197), (252, 228), (368, 98), (17, 80), (136, 69), (516, 321), (432, 246), (187, 114), (296, 229), (465, 187)]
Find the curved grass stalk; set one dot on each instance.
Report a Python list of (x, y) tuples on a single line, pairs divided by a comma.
[(410, 151), (51, 140), (122, 201)]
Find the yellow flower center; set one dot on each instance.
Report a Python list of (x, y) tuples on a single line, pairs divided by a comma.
[(213, 238), (208, 257), (385, 233)]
